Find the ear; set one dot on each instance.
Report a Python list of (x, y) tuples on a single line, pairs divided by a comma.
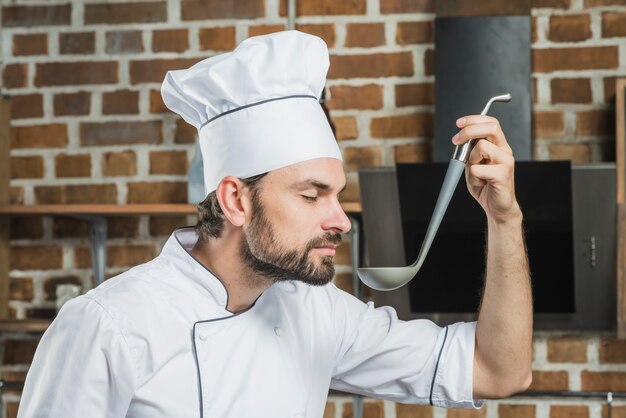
[(234, 200)]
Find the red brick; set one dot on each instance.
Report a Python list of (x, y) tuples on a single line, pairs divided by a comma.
[(123, 227), (429, 62), (127, 12), (548, 124), (50, 285), (217, 39), (77, 43), (552, 4), (116, 133), (27, 167), (26, 227), (571, 90), (15, 75), (19, 351), (121, 102), (218, 9), (403, 126), (415, 33), (74, 73), (36, 257), (595, 122), (83, 193), (41, 313), (122, 163), (343, 256), (616, 411), (567, 349), (613, 24), (549, 380), (365, 35), (369, 96), (569, 411), (609, 89), (124, 42), (153, 71), (373, 65), (467, 413), (421, 94), (576, 153), (329, 410), (612, 351), (185, 133), (13, 16), (264, 29), (21, 289), (516, 411), (70, 228), (324, 31), (534, 35), (170, 40), (156, 102), (413, 411), (129, 255), (569, 28), (72, 104), (370, 410), (27, 106), (157, 192), (345, 127), (325, 7), (31, 44), (78, 165), (16, 195), (11, 376), (583, 58), (39, 136), (165, 225), (407, 6), (356, 158), (168, 162), (412, 153), (352, 193)]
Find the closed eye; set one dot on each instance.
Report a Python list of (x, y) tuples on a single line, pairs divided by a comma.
[(309, 198)]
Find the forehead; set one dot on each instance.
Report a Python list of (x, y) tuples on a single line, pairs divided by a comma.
[(323, 170)]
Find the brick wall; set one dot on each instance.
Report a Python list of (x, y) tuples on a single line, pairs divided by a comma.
[(88, 126)]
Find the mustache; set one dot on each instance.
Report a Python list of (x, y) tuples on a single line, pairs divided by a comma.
[(329, 238)]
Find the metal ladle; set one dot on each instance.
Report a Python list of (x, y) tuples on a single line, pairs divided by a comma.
[(390, 278)]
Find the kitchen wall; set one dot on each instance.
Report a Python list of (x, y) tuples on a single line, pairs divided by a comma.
[(88, 126)]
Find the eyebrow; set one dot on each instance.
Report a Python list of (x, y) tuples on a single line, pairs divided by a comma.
[(318, 184)]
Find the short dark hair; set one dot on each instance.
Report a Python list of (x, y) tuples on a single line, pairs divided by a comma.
[(210, 215)]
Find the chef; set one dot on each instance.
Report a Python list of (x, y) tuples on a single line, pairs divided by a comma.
[(237, 316)]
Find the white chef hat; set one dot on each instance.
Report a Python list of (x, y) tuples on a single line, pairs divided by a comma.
[(257, 108)]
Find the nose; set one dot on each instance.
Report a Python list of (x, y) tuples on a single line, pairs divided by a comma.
[(337, 220)]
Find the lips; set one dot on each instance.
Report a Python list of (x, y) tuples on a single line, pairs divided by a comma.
[(328, 250)]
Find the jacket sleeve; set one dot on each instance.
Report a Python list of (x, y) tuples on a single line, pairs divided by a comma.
[(83, 367), (403, 361)]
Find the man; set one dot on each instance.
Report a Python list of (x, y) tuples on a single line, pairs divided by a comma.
[(236, 318)]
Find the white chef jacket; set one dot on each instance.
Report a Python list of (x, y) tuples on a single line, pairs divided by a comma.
[(157, 341)]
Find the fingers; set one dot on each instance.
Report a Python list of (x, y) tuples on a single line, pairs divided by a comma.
[(478, 126), (485, 152)]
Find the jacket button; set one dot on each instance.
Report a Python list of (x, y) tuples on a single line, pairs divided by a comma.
[(278, 331), (203, 336)]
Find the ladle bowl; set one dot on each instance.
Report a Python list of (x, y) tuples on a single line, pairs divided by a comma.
[(391, 278)]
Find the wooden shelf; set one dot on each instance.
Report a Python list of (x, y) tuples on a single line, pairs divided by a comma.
[(24, 325), (120, 210)]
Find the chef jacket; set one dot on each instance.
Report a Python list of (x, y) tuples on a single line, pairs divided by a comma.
[(157, 341)]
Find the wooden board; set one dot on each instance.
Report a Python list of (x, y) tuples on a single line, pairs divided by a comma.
[(466, 8), (620, 152), (5, 188)]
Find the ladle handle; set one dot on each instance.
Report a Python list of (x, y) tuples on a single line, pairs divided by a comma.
[(455, 170)]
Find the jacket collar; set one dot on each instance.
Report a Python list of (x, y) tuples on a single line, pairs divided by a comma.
[(177, 253)]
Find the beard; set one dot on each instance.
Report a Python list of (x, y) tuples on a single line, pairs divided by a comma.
[(262, 253)]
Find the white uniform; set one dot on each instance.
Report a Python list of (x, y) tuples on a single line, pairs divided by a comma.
[(157, 342)]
